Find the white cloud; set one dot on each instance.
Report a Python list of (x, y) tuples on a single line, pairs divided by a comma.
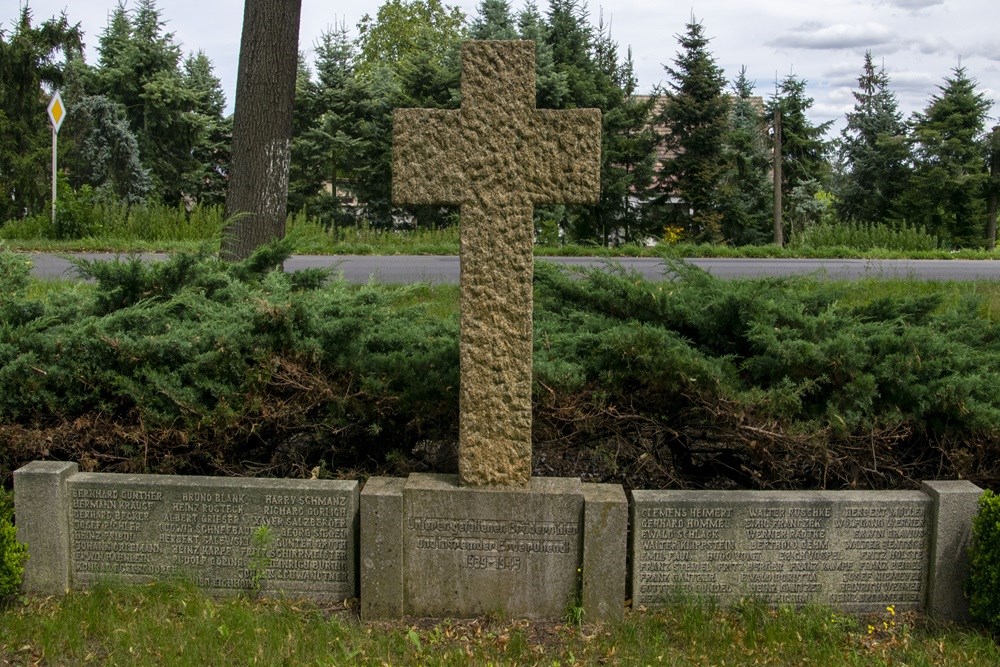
[(931, 45), (913, 5), (837, 36)]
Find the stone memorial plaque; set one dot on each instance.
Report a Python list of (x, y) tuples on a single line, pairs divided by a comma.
[(475, 552), (854, 550), (138, 528)]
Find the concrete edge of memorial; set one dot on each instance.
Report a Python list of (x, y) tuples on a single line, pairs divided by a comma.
[(856, 550)]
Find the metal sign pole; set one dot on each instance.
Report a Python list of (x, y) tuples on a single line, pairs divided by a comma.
[(57, 113), (54, 158)]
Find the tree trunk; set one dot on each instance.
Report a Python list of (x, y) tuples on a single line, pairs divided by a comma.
[(994, 189), (257, 195), (779, 236)]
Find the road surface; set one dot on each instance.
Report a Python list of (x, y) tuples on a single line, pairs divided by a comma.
[(445, 269)]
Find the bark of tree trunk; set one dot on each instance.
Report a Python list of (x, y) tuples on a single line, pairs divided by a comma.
[(257, 194), (779, 236)]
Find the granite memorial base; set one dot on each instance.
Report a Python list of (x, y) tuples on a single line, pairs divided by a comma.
[(858, 551), (85, 527), (432, 548)]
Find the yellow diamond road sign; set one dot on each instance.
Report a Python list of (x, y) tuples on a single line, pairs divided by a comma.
[(57, 111)]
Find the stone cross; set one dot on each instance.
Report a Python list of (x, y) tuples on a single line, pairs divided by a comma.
[(496, 157)]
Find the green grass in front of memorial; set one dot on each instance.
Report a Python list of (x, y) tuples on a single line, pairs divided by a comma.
[(173, 623)]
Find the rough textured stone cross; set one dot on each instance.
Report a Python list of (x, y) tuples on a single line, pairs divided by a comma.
[(496, 157)]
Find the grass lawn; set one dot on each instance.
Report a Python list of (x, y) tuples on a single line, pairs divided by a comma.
[(174, 624)]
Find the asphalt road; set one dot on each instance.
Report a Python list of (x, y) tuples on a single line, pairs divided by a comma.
[(445, 269)]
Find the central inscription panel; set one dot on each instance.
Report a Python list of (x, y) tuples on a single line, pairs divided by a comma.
[(471, 552), (293, 536), (854, 550)]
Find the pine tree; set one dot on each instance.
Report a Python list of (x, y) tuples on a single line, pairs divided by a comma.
[(746, 191), (628, 158), (696, 115), (947, 189), (571, 39), (874, 150), (325, 136)]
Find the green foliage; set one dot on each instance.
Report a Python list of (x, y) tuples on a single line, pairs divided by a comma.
[(803, 149), (85, 213), (108, 150), (983, 587), (13, 554), (261, 540), (946, 193), (874, 146), (860, 236), (405, 29), (28, 61), (251, 364), (696, 114), (745, 189)]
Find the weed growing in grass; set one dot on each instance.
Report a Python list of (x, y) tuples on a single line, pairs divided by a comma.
[(260, 557)]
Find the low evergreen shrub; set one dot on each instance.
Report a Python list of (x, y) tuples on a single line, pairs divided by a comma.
[(13, 554), (984, 578), (197, 366)]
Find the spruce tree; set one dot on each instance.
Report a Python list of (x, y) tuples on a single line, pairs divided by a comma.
[(551, 84), (874, 151), (206, 182), (695, 115), (946, 193), (745, 191), (803, 148), (494, 20), (140, 68)]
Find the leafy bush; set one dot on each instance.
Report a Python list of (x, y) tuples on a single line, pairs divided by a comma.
[(859, 236), (13, 554), (984, 578)]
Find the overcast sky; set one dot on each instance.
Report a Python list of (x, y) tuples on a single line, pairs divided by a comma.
[(821, 41)]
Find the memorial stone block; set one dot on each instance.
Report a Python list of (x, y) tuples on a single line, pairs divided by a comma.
[(854, 550), (476, 551), (138, 528)]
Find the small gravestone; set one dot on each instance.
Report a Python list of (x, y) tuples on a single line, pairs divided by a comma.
[(494, 539)]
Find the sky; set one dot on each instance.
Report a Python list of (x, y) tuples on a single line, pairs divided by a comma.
[(919, 42)]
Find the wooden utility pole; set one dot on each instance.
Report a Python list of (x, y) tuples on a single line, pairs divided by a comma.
[(257, 195), (993, 189), (779, 236)]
